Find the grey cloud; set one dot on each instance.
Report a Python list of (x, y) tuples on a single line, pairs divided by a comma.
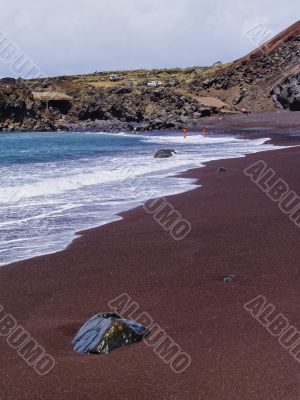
[(72, 36)]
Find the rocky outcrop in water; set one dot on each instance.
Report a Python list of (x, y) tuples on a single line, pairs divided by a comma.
[(164, 153)]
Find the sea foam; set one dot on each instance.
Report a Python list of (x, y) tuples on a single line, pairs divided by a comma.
[(56, 185)]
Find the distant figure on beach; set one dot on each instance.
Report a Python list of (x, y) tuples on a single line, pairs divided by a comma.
[(204, 131), (184, 132)]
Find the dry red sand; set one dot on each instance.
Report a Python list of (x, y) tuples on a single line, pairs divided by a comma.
[(236, 229)]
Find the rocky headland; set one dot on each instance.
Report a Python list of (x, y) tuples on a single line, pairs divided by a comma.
[(144, 100)]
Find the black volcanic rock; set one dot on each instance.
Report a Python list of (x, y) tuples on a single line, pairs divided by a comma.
[(183, 98), (287, 94), (106, 332), (164, 153)]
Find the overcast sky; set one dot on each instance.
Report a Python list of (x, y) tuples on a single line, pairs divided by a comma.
[(80, 36)]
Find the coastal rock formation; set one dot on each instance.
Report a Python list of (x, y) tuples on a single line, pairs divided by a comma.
[(265, 79), (164, 153), (248, 82), (16, 101), (287, 94), (105, 332), (143, 109)]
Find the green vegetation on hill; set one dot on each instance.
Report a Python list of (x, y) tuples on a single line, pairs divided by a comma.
[(141, 76)]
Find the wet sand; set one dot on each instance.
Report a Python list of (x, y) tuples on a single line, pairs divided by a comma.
[(236, 229)]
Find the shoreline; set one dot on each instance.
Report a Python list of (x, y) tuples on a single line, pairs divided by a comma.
[(271, 121), (236, 229), (190, 186)]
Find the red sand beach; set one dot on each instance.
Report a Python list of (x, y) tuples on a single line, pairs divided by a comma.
[(236, 229)]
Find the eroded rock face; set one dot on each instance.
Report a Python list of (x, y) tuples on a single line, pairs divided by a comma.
[(287, 94), (106, 332), (142, 109), (15, 101)]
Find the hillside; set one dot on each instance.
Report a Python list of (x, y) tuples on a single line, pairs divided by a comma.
[(267, 78), (256, 81)]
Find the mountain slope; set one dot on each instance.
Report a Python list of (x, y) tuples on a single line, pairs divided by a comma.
[(268, 47), (251, 81)]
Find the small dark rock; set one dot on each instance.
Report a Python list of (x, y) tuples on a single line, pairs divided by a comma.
[(222, 169), (205, 111), (239, 97), (229, 278)]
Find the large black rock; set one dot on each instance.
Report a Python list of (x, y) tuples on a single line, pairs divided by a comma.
[(106, 332), (287, 94), (164, 153)]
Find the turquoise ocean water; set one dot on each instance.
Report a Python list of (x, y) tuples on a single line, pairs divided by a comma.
[(53, 185)]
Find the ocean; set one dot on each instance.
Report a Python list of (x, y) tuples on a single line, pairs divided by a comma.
[(53, 185)]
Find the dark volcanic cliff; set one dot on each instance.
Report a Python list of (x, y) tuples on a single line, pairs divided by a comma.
[(261, 81), (254, 81)]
